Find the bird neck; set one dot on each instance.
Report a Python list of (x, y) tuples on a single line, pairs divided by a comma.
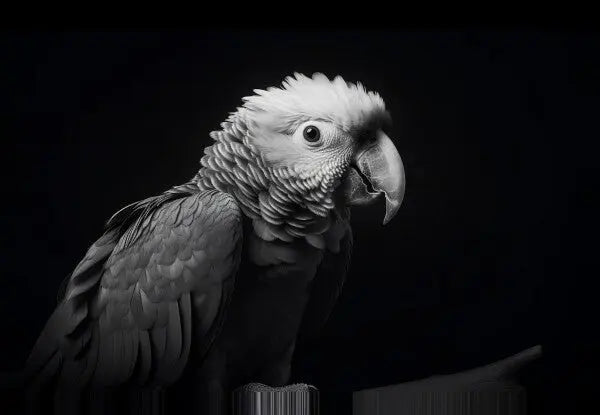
[(280, 204)]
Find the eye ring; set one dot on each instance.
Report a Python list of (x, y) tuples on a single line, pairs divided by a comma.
[(311, 134)]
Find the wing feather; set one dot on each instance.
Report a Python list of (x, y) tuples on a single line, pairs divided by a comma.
[(158, 337), (145, 360), (185, 316), (128, 309)]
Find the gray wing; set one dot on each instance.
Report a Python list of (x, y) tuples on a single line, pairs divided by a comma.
[(141, 295), (329, 280)]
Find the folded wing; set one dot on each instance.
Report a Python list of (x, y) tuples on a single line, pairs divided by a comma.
[(148, 291)]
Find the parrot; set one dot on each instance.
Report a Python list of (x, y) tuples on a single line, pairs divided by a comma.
[(209, 284)]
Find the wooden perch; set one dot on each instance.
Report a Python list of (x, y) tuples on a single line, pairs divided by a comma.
[(486, 390)]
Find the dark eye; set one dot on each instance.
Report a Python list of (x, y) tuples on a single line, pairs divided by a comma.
[(312, 134)]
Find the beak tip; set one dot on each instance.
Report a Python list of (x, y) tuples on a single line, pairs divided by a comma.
[(391, 208)]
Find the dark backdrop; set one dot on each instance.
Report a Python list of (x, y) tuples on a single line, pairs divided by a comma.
[(493, 250)]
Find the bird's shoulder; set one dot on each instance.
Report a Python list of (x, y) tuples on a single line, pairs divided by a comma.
[(176, 242), (160, 262), (161, 242)]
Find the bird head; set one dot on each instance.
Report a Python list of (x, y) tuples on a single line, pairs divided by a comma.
[(290, 154)]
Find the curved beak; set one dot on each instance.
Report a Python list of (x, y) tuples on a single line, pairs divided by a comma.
[(377, 169)]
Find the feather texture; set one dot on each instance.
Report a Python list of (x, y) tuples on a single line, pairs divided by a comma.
[(301, 98), (329, 280), (127, 312), (288, 204)]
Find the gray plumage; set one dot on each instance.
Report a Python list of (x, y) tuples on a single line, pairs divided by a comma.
[(207, 286)]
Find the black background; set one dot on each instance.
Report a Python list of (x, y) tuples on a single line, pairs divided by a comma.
[(494, 249)]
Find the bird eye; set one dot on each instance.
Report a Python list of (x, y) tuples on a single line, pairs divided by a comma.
[(312, 134)]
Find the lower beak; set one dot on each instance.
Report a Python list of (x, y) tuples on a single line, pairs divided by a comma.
[(377, 169)]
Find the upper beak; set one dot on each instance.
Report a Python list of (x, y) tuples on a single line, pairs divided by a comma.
[(377, 169)]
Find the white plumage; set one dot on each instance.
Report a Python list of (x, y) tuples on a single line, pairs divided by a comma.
[(300, 98)]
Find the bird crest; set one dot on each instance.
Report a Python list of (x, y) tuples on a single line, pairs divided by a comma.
[(301, 98)]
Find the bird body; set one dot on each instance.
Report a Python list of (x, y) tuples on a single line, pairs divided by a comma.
[(268, 306), (212, 281)]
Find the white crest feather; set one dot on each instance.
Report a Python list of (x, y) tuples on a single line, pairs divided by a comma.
[(302, 98)]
